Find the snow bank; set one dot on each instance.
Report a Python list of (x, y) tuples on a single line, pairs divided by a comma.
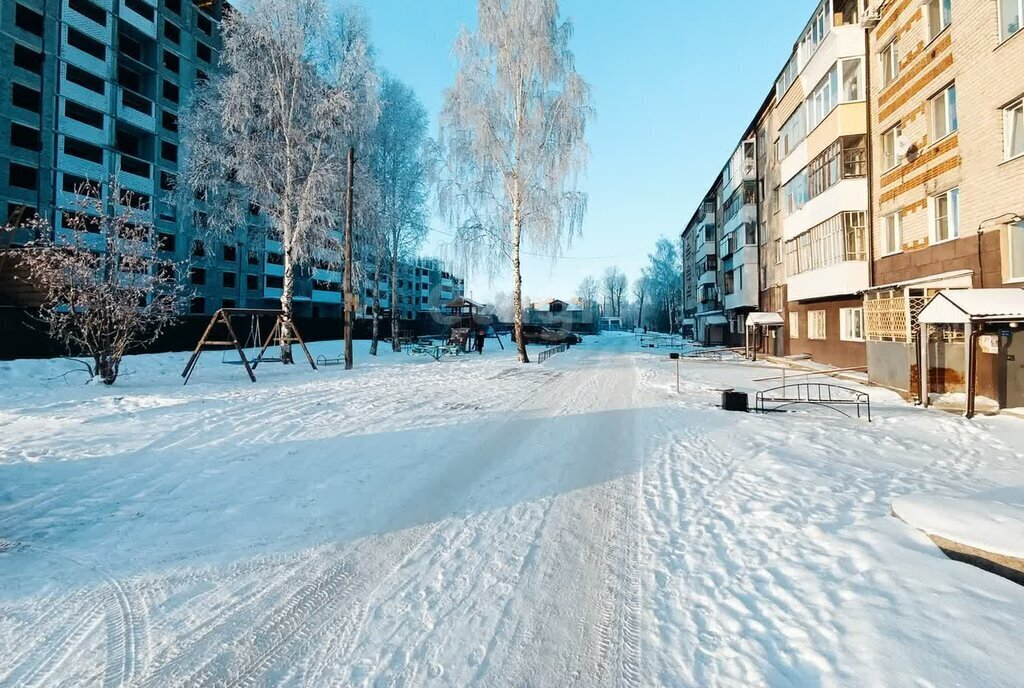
[(992, 525)]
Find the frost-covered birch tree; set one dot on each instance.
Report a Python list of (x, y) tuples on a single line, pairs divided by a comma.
[(614, 284), (270, 129), (401, 164), (512, 139)]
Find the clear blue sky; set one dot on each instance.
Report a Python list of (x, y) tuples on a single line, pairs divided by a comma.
[(675, 83)]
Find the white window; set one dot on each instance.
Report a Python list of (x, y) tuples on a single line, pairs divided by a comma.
[(1016, 234), (794, 325), (852, 324), (944, 211), (1013, 128), (853, 78), (892, 234), (816, 324), (890, 156), (1010, 14), (778, 251), (943, 109), (890, 57), (939, 15)]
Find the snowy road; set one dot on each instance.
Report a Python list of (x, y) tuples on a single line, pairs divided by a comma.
[(476, 522)]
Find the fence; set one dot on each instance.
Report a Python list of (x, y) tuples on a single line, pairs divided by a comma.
[(545, 355)]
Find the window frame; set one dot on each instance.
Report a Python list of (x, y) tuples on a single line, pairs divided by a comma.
[(1008, 111), (895, 131), (943, 10), (1003, 37), (845, 333), (952, 197), (952, 120), (890, 59), (794, 324), (818, 321), (1010, 230), (897, 246)]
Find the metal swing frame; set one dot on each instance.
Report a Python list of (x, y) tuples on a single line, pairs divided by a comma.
[(224, 316)]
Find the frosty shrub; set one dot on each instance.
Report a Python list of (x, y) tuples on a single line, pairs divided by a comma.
[(105, 290)]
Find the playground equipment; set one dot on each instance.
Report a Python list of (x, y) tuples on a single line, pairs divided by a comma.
[(276, 335)]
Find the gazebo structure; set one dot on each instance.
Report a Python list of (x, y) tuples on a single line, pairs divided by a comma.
[(992, 313), (757, 325), (463, 310)]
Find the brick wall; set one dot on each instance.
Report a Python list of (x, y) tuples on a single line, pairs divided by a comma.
[(831, 350)]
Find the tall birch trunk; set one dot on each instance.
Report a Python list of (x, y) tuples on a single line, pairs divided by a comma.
[(517, 278), (349, 297), (396, 345), (287, 294)]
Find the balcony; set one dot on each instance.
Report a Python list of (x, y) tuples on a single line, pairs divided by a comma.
[(134, 173), (140, 14), (829, 260), (136, 109)]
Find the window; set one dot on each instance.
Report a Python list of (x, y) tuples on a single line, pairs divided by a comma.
[(851, 70), (25, 97), (1010, 14), (203, 52), (198, 305), (890, 154), (851, 322), (823, 99), (1016, 238), (816, 324), (83, 150), (168, 151), (165, 242), (87, 45), (85, 79), (230, 253), (228, 280), (275, 282), (204, 24), (169, 121), (168, 180), (943, 109), (172, 32), (197, 276), (25, 137), (173, 6), (1013, 128), (794, 325), (892, 239), (28, 20), (23, 177), (172, 61), (80, 185), (795, 193), (89, 9), (170, 91), (83, 114), (778, 251), (141, 8), (28, 59), (890, 57), (252, 282), (792, 133), (938, 14), (198, 248), (944, 210)]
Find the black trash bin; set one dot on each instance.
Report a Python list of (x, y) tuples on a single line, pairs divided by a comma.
[(735, 401)]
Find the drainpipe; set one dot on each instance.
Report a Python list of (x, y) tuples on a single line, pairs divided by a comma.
[(869, 148), (972, 370)]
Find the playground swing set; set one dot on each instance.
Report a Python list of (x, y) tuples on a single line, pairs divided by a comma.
[(253, 340)]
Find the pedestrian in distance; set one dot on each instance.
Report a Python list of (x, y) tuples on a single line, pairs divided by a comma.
[(480, 336)]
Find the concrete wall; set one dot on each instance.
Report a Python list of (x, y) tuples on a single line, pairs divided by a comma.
[(831, 351)]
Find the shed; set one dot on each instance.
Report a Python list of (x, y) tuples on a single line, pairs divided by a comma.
[(972, 309)]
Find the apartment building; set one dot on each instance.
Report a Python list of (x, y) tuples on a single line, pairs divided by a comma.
[(821, 149), (702, 275), (91, 89), (737, 241), (947, 116), (771, 242)]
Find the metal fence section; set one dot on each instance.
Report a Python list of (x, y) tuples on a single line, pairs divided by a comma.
[(548, 353)]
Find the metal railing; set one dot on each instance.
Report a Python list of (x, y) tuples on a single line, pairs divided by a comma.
[(548, 353)]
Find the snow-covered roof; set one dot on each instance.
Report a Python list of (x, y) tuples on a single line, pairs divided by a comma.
[(764, 319), (963, 306), (716, 319), (463, 301), (962, 278)]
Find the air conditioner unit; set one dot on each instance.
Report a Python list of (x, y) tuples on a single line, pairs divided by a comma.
[(872, 17)]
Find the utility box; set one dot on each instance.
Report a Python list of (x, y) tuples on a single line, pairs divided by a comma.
[(735, 401)]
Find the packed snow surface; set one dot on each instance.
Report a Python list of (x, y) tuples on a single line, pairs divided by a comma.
[(479, 522), (993, 523)]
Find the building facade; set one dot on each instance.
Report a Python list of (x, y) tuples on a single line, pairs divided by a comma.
[(92, 90), (737, 240), (947, 115)]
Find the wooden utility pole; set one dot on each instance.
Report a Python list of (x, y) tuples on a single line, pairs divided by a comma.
[(349, 296)]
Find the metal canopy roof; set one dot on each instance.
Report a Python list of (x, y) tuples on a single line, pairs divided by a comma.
[(765, 320), (965, 306)]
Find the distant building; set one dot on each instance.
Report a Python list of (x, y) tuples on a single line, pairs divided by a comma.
[(562, 314)]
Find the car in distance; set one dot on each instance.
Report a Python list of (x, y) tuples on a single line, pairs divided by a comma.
[(537, 334)]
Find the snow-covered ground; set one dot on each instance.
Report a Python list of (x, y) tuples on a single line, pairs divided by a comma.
[(477, 522)]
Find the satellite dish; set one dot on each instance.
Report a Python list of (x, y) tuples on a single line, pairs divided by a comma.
[(902, 146), (912, 152)]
